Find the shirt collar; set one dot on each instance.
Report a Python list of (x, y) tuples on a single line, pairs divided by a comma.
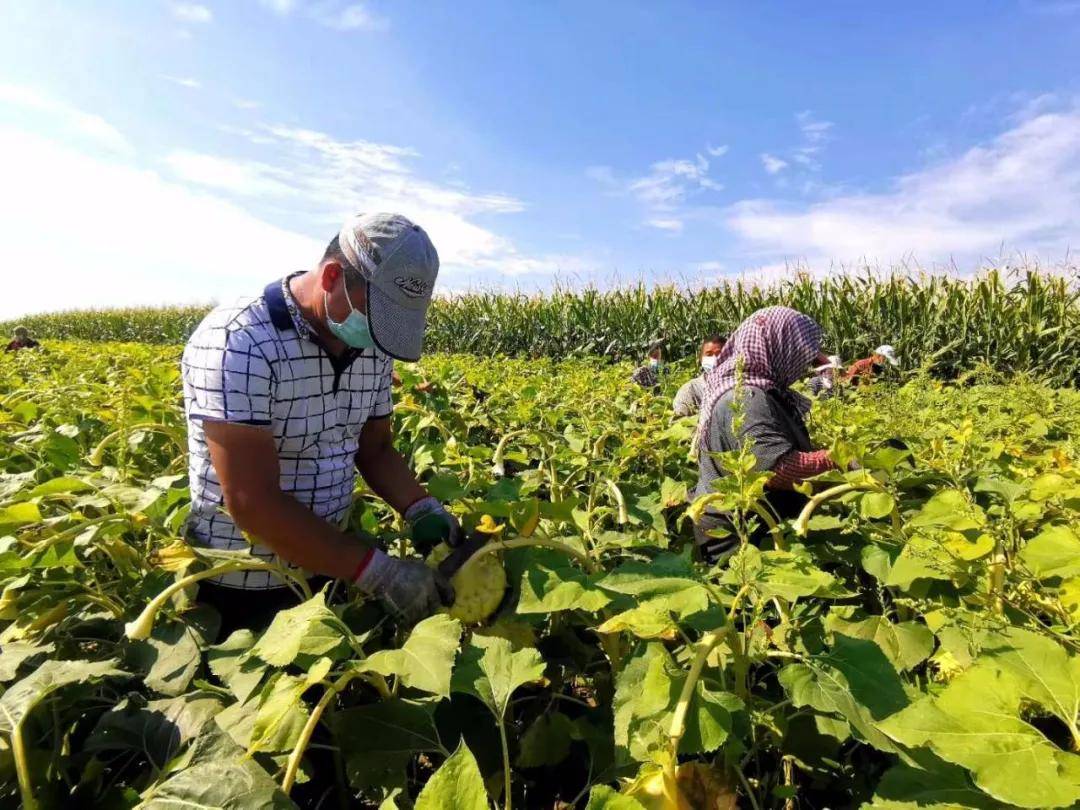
[(285, 314)]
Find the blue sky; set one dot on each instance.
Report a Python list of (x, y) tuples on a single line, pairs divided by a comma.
[(160, 151)]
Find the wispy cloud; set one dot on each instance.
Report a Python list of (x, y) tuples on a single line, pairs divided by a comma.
[(191, 12), (84, 125), (773, 164), (332, 14), (183, 81), (319, 179), (815, 134), (246, 104), (1021, 190), (665, 189), (670, 225), (354, 17)]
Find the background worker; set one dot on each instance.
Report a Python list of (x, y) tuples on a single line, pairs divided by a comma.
[(287, 398), (776, 346), (869, 367), (688, 399), (826, 377), (20, 339), (648, 375)]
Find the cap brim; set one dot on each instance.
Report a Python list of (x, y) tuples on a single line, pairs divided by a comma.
[(892, 360), (398, 332)]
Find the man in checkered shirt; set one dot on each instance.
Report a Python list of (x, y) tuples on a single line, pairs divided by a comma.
[(287, 397)]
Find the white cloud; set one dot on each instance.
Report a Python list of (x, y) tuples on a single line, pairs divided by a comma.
[(319, 179), (279, 6), (83, 125), (773, 164), (717, 151), (669, 225), (332, 14), (815, 134), (355, 17), (670, 181), (183, 81), (1021, 191), (191, 12), (124, 235), (246, 104), (244, 179)]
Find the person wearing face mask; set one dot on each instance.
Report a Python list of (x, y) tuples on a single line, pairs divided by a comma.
[(287, 397), (775, 347), (648, 375), (688, 399)]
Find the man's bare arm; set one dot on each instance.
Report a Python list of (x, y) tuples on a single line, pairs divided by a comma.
[(383, 467), (245, 459)]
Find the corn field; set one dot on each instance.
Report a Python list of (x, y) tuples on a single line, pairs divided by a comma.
[(1012, 320)]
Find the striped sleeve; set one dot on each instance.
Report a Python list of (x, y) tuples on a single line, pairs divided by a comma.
[(797, 466)]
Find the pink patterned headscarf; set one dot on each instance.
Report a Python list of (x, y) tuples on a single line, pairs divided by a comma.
[(777, 345)]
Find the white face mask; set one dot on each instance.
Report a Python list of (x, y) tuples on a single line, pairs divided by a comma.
[(708, 363)]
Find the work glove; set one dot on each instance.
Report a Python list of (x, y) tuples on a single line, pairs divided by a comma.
[(430, 524), (407, 589)]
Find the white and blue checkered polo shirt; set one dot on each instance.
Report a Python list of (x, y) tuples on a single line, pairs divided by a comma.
[(258, 362)]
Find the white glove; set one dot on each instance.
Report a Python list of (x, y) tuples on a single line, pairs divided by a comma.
[(408, 589)]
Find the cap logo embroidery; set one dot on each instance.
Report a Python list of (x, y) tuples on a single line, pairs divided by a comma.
[(412, 286)]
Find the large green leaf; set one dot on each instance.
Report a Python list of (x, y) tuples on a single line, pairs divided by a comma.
[(1053, 552), (157, 729), (394, 726), (15, 654), (169, 659), (1045, 673), (924, 556), (856, 681), (789, 575), (232, 784), (272, 719), (551, 583), (426, 659), (949, 509), (655, 617), (491, 670), (23, 695), (944, 787), (906, 644), (230, 663), (664, 575), (603, 797), (457, 785), (975, 722), (646, 693), (310, 628)]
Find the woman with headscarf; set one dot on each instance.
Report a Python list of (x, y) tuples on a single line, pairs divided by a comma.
[(777, 346)]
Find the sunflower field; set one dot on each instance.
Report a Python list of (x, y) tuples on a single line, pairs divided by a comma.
[(909, 641)]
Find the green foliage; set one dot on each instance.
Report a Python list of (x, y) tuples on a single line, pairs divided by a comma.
[(911, 641), (1012, 319)]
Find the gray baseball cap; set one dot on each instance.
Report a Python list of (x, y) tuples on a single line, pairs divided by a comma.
[(400, 265)]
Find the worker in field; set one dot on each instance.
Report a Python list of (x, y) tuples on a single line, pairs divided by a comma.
[(648, 374), (775, 347), (287, 398), (688, 398), (865, 370), (826, 377), (20, 339)]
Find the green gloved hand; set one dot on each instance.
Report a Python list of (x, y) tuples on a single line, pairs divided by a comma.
[(431, 524)]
